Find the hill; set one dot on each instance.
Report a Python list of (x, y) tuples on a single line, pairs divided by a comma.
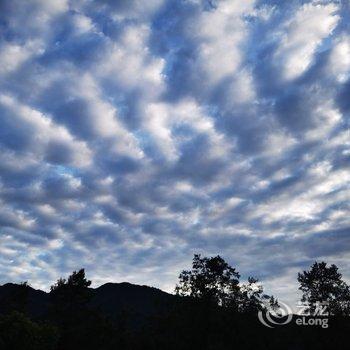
[(111, 299)]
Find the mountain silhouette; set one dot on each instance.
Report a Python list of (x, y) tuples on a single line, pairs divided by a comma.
[(33, 302), (113, 300)]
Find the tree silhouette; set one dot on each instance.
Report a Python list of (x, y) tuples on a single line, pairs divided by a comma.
[(324, 284), (211, 279), (252, 297), (74, 290), (214, 280), (76, 280), (81, 326), (70, 298)]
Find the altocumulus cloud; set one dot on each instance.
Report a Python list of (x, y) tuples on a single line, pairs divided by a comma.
[(135, 133)]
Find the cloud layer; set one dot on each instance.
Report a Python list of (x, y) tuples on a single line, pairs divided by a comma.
[(134, 134)]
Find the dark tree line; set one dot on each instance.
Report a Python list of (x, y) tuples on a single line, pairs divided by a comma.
[(214, 281), (212, 309)]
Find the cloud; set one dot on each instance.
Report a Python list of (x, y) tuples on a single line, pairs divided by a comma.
[(302, 34), (27, 130), (134, 135)]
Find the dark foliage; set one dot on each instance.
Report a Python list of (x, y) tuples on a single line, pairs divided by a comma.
[(211, 311), (324, 284), (210, 279), (213, 280), (18, 332)]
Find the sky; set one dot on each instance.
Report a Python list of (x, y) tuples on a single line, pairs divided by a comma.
[(134, 134)]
